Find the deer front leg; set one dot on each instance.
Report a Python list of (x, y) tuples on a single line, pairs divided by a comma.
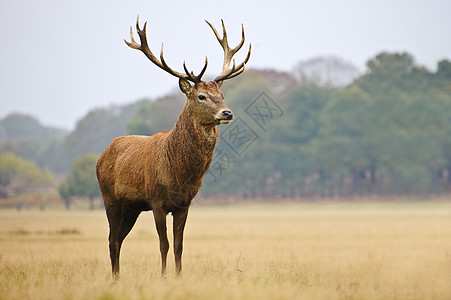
[(160, 222), (178, 227)]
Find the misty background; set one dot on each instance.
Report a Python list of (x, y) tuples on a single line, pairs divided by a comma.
[(339, 100), (59, 59)]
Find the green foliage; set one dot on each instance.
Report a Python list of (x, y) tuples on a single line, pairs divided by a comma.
[(385, 133), (95, 131), (152, 117), (18, 126), (302, 108), (444, 69), (18, 176), (26, 137), (82, 180), (390, 65), (56, 150)]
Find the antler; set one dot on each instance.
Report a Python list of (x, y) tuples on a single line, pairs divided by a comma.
[(229, 53), (144, 48)]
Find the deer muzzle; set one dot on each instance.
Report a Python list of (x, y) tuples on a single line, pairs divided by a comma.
[(225, 116)]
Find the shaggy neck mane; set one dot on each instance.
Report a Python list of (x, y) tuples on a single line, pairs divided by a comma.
[(191, 147)]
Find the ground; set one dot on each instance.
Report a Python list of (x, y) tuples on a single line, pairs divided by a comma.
[(388, 250)]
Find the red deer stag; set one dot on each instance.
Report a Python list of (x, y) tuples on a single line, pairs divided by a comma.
[(164, 172)]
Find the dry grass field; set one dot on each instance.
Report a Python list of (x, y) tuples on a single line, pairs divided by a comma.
[(292, 251)]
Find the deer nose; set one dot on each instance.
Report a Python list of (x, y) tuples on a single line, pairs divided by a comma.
[(228, 114)]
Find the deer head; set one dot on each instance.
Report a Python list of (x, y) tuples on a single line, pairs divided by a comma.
[(204, 99)]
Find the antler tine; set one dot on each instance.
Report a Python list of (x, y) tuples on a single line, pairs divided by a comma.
[(133, 44), (238, 47), (215, 32), (229, 53), (246, 59), (204, 68), (226, 73), (144, 47), (234, 71), (191, 74), (237, 73), (168, 69)]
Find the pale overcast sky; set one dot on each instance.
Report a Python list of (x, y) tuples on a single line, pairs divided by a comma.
[(59, 59)]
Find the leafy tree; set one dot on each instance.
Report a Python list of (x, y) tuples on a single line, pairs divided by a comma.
[(18, 126), (391, 65), (18, 176), (444, 69), (300, 122), (82, 180), (24, 136), (387, 72), (387, 132), (65, 193), (94, 132), (154, 116)]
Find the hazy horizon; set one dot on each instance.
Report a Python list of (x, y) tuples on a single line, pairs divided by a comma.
[(60, 60)]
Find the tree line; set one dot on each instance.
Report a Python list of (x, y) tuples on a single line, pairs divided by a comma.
[(334, 133), (388, 132)]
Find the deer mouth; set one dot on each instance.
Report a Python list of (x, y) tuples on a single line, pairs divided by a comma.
[(224, 117), (224, 121)]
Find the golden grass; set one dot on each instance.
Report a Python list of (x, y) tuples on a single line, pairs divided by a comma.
[(303, 251)]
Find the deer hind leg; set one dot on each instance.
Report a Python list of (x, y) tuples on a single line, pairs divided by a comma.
[(160, 222), (121, 222), (114, 219), (178, 227)]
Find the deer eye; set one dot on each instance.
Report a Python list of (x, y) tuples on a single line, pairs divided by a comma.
[(202, 97)]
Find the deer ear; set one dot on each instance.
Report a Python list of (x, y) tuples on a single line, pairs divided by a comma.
[(219, 83), (185, 86)]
